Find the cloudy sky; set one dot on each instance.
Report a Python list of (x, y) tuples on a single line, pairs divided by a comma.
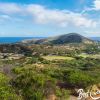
[(49, 17)]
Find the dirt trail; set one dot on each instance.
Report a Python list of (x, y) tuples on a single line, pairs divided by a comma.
[(72, 97)]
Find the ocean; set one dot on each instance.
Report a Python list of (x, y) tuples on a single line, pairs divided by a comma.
[(95, 38), (16, 39)]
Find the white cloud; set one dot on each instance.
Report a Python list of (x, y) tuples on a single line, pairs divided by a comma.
[(9, 8), (94, 7), (60, 17), (43, 15), (97, 5)]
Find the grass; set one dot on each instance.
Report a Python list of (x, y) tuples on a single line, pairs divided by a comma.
[(95, 56), (57, 58), (84, 55), (90, 56)]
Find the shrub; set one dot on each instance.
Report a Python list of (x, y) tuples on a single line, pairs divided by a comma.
[(6, 91), (78, 79)]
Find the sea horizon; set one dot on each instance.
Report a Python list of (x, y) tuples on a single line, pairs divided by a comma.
[(16, 39)]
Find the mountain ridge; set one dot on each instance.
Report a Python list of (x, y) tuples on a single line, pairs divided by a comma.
[(61, 39)]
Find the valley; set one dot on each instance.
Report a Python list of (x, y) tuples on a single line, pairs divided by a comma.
[(49, 69)]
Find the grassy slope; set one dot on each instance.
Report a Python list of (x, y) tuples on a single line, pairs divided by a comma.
[(90, 56), (57, 58)]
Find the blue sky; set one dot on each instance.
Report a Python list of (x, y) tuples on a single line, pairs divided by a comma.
[(38, 18)]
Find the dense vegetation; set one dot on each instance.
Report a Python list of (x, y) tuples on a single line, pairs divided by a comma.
[(50, 72)]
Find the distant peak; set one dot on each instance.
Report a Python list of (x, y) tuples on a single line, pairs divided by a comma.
[(64, 39)]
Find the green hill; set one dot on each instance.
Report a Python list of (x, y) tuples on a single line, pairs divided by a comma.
[(14, 48), (64, 39)]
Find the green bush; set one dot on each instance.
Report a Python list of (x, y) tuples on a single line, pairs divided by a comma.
[(62, 94), (78, 79), (6, 91)]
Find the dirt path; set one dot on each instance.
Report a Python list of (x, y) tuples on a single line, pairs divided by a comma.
[(72, 97)]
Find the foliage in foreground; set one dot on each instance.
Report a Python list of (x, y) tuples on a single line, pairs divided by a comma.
[(6, 91), (35, 84)]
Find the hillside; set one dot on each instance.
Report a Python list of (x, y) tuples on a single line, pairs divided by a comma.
[(14, 48), (62, 39), (31, 71)]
